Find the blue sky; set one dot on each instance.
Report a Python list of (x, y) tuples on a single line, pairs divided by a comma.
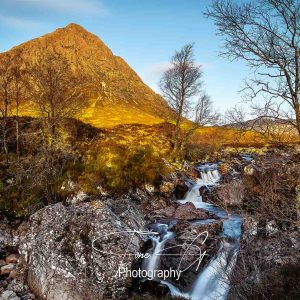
[(144, 32)]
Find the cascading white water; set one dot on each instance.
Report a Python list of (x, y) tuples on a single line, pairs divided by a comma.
[(209, 177), (213, 282), (194, 194), (153, 261), (209, 174)]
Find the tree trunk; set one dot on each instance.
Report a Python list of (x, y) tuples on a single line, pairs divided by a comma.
[(4, 138), (297, 114), (17, 137), (4, 127), (177, 143)]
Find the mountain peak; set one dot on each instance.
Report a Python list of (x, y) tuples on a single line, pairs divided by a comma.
[(119, 88), (74, 26)]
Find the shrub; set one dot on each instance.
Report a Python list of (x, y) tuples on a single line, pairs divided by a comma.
[(119, 168)]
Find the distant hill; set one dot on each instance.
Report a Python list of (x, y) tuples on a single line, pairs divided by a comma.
[(260, 123), (125, 99)]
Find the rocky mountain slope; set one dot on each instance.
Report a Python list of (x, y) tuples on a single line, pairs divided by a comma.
[(121, 95)]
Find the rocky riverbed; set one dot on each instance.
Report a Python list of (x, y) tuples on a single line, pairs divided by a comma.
[(50, 256)]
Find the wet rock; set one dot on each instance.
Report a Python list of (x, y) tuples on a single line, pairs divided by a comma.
[(184, 228), (188, 211), (227, 194), (193, 173), (61, 262), (157, 289), (166, 212), (180, 190), (158, 207)]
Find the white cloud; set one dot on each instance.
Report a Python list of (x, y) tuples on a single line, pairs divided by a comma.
[(152, 74), (84, 7), (19, 23), (155, 71)]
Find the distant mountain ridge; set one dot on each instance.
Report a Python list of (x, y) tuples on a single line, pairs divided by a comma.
[(124, 97)]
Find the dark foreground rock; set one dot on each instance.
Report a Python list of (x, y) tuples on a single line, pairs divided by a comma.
[(61, 262)]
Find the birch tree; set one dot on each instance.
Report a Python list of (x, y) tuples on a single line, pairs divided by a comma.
[(266, 35)]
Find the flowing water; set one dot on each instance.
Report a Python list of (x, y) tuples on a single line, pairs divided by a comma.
[(152, 262), (213, 282)]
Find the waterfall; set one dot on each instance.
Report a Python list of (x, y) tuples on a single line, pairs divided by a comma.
[(213, 281), (153, 261), (209, 175), (194, 194)]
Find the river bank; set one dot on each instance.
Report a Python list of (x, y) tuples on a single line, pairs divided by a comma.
[(55, 244)]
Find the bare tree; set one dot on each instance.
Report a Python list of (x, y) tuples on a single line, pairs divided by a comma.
[(274, 131), (11, 93), (179, 84), (18, 93), (265, 34), (205, 114), (5, 84), (55, 90)]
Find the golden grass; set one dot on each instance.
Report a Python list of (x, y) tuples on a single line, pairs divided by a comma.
[(110, 116), (105, 116)]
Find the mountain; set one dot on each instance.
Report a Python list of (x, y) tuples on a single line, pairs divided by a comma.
[(124, 98)]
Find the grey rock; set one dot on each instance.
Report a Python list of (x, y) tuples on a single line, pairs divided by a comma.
[(9, 295), (61, 262), (5, 270)]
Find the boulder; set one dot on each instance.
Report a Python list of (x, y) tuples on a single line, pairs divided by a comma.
[(61, 261), (166, 212), (229, 194), (193, 173), (188, 211), (9, 295)]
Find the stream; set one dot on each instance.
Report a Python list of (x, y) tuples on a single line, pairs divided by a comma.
[(213, 281)]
